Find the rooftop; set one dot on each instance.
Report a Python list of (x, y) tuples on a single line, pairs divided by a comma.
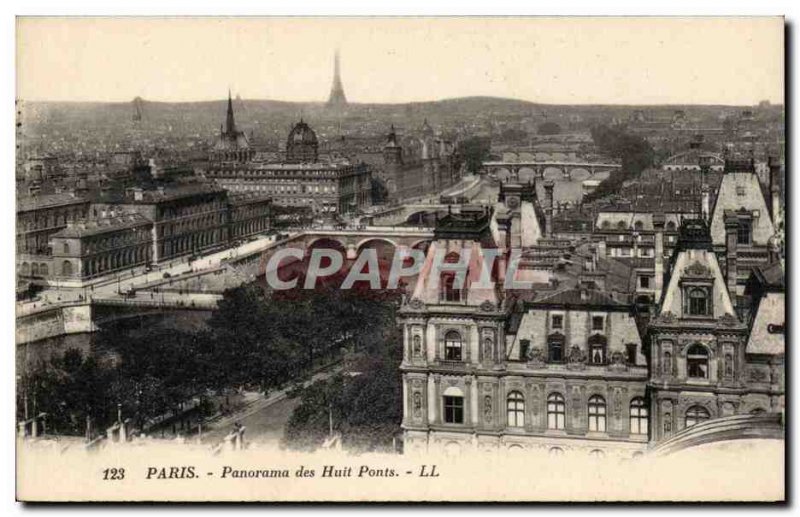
[(102, 225)]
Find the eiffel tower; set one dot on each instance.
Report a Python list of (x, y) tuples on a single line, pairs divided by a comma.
[(337, 97)]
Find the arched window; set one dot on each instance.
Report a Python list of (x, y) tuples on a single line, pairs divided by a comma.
[(452, 346), (639, 225), (638, 417), (34, 269), (695, 415), (697, 362), (555, 411), (555, 348), (43, 269), (515, 409), (597, 413), (597, 453), (26, 269), (66, 248), (556, 451), (605, 224), (698, 302), (671, 226), (66, 268), (621, 225)]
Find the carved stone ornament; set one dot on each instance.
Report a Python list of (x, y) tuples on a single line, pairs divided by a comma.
[(416, 304), (535, 355), (728, 320), (417, 404), (697, 270), (576, 355), (758, 375), (667, 317), (487, 306), (487, 409)]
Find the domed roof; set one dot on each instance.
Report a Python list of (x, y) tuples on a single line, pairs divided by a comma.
[(302, 133)]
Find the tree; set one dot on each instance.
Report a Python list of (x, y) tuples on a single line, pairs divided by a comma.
[(634, 152), (549, 128), (474, 151)]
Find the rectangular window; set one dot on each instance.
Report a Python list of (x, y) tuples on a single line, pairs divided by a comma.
[(644, 282), (744, 233), (630, 353), (597, 323), (557, 322), (454, 410), (524, 348)]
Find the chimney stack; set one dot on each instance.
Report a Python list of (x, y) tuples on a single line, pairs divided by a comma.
[(731, 226), (705, 206), (658, 281), (548, 218), (775, 188)]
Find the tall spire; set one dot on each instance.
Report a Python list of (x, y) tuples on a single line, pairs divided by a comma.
[(230, 125), (337, 97)]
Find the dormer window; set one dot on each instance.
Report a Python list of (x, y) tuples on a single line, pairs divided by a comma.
[(744, 232), (699, 301)]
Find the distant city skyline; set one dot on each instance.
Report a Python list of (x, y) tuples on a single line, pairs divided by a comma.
[(733, 61)]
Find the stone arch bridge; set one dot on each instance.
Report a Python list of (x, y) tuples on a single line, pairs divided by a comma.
[(526, 170)]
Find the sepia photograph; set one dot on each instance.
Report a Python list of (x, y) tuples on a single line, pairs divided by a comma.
[(400, 259)]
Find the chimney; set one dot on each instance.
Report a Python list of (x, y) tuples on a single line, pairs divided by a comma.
[(731, 225), (548, 217), (138, 194), (705, 203), (774, 188), (658, 281), (601, 248)]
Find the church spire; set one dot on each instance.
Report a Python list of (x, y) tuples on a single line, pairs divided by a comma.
[(230, 124)]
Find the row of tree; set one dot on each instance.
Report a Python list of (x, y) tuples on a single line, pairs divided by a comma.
[(255, 339)]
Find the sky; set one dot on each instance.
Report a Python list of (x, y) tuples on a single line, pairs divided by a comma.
[(733, 61)]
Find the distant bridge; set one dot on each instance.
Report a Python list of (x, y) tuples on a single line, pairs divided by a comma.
[(550, 170)]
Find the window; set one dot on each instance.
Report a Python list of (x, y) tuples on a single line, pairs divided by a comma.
[(697, 362), (66, 268), (555, 348), (524, 348), (744, 233), (639, 225), (454, 410), (630, 354), (66, 248), (695, 415), (597, 453), (450, 293), (557, 321), (644, 282), (452, 346), (741, 191), (597, 323), (638, 417), (597, 349), (555, 411), (597, 413), (698, 302), (556, 451), (515, 409), (621, 225), (671, 226)]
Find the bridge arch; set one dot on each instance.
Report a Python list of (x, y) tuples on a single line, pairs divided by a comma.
[(384, 248), (503, 174), (326, 242), (526, 174), (553, 173), (579, 174), (526, 157), (510, 157)]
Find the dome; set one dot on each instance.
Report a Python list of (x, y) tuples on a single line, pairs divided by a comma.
[(302, 133), (302, 144)]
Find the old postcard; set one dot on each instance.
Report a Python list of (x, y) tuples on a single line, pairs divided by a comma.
[(400, 259)]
